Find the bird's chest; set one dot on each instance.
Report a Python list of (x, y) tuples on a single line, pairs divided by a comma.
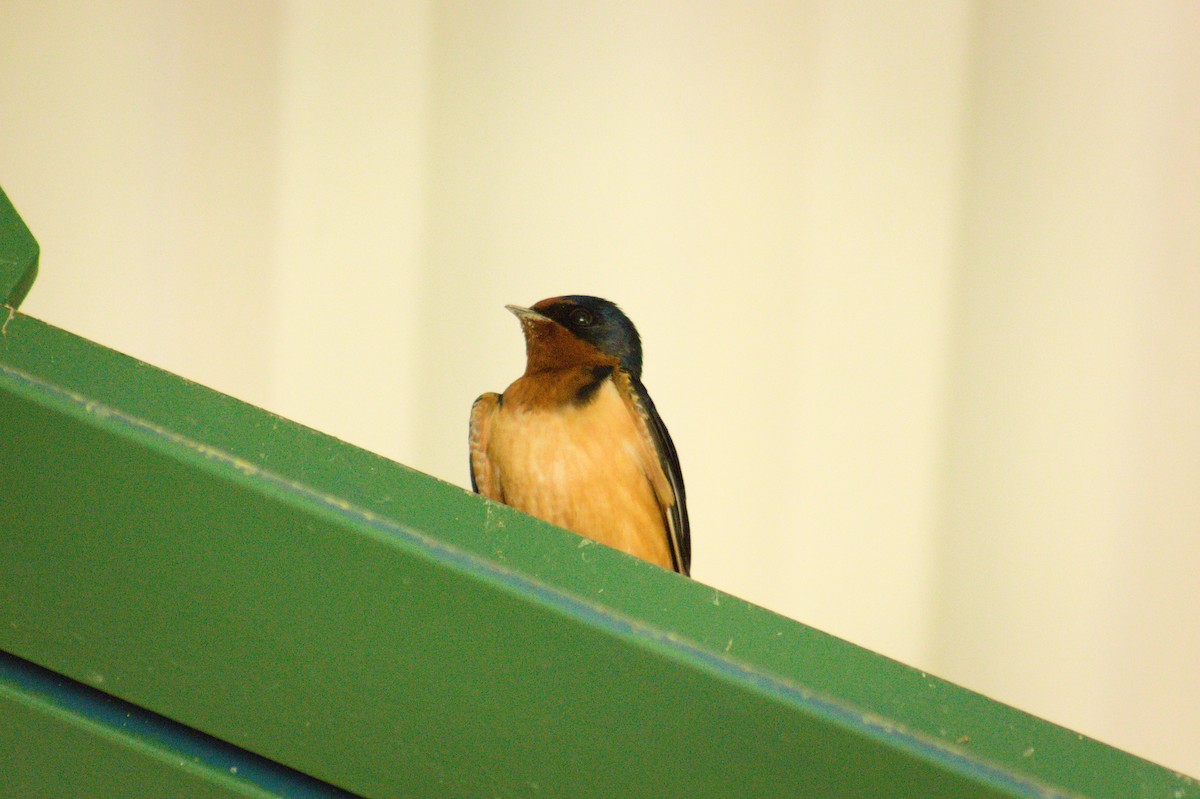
[(546, 453), (584, 467)]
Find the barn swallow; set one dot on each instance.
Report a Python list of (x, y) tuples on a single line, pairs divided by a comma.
[(576, 440)]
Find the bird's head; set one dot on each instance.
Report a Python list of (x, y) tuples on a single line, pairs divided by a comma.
[(577, 329)]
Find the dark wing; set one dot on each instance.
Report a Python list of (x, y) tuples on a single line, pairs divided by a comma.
[(675, 512), (484, 480)]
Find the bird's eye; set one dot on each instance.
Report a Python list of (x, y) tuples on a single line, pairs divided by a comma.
[(582, 317)]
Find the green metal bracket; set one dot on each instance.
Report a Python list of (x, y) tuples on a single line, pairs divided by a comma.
[(18, 256), (238, 577)]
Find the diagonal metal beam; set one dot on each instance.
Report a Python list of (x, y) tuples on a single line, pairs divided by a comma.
[(393, 635), (18, 257)]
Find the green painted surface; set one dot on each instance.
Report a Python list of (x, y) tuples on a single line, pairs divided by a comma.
[(48, 751), (18, 257), (396, 636), (47, 754), (59, 738)]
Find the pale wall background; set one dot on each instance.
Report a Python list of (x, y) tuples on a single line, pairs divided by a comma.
[(919, 282)]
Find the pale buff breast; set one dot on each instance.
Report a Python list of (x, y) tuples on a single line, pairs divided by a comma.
[(583, 468)]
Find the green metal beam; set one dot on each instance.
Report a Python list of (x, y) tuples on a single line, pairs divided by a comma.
[(18, 257), (62, 739), (394, 635)]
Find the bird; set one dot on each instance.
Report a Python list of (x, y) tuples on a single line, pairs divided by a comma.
[(576, 440)]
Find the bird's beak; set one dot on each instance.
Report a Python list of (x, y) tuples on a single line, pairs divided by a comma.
[(527, 314)]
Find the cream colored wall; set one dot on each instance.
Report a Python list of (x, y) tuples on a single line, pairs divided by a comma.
[(918, 282), (1070, 548)]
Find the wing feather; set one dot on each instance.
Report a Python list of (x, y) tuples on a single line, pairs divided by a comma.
[(485, 479), (674, 501)]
